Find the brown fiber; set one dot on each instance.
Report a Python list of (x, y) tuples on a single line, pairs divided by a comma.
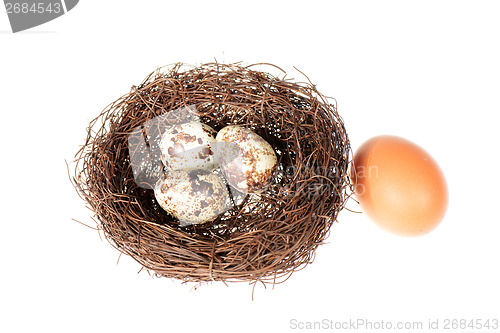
[(266, 237)]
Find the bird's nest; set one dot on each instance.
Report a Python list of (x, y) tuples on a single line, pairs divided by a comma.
[(265, 237)]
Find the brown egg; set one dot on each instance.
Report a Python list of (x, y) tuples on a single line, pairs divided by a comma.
[(399, 186)]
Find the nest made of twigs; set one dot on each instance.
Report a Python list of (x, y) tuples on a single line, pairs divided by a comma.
[(264, 238)]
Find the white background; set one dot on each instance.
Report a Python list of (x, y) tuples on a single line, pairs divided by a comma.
[(425, 70)]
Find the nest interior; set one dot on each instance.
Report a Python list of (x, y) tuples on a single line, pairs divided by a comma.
[(264, 238)]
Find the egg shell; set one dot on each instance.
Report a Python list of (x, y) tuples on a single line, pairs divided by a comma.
[(188, 146), (399, 185), (247, 161), (193, 197)]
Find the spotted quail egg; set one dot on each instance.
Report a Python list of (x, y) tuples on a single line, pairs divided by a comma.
[(193, 197), (188, 146), (247, 161)]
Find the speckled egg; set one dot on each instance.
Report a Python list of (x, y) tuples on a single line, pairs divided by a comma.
[(247, 161), (193, 197), (188, 146)]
